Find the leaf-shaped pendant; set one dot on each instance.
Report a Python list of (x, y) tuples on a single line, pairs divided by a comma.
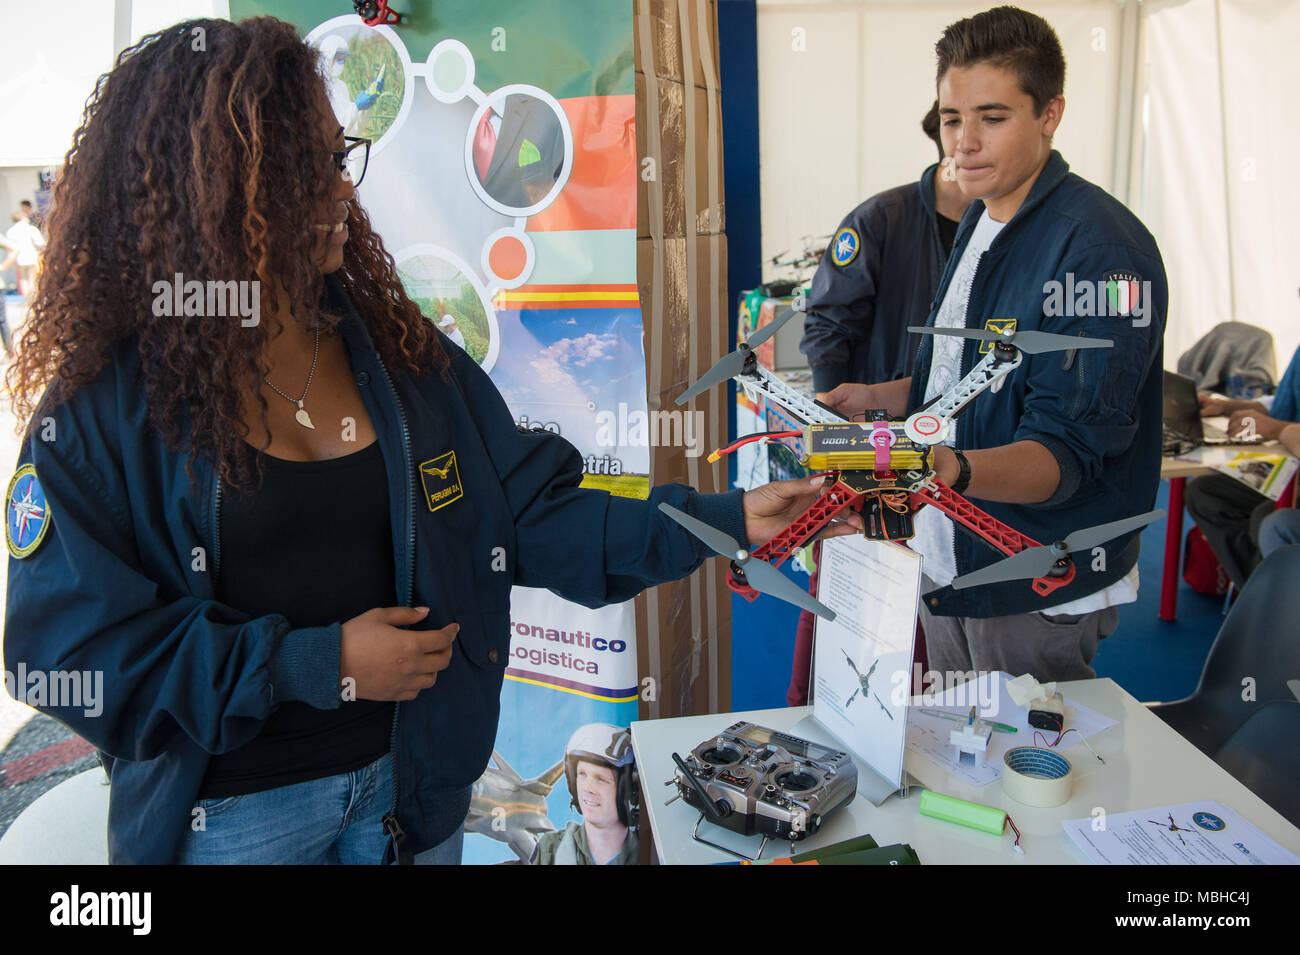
[(303, 418)]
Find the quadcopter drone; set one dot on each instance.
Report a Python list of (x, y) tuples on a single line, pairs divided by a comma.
[(806, 259), (864, 684), (884, 469)]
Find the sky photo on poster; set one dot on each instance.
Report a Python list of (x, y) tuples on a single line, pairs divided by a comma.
[(568, 367)]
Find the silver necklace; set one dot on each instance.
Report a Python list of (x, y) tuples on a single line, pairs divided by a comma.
[(301, 415)]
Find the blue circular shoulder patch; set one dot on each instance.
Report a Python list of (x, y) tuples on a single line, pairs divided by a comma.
[(27, 516), (844, 247)]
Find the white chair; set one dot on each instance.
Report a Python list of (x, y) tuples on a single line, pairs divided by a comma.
[(66, 826)]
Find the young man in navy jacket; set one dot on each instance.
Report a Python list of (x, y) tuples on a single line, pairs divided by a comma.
[(1072, 439)]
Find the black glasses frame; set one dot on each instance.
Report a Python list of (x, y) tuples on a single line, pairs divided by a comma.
[(343, 156)]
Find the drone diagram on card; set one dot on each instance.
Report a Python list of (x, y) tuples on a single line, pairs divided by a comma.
[(864, 684), (883, 468)]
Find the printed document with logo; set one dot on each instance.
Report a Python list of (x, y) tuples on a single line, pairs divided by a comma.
[(862, 657), (1194, 833)]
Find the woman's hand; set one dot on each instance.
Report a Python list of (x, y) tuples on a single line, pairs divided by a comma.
[(387, 663), (771, 508)]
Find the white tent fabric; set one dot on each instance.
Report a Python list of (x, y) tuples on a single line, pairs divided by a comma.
[(51, 65), (1217, 187), (1179, 107), (50, 69)]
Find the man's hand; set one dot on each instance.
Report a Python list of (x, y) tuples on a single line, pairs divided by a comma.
[(771, 508), (392, 664), (1214, 407), (851, 400), (946, 467), (1241, 422), (1290, 438)]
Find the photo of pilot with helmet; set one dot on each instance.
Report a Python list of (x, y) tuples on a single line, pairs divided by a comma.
[(600, 768)]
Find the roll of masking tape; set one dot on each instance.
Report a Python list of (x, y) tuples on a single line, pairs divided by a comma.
[(1036, 776)]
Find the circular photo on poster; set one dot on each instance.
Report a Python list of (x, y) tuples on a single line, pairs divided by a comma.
[(445, 290), (366, 72), (519, 150)]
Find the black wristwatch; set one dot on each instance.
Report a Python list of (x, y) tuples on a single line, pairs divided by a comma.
[(963, 476)]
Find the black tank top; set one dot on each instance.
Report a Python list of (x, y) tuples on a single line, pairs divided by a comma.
[(315, 544)]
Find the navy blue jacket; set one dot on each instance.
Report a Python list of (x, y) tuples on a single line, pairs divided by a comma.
[(117, 585), (1098, 411), (855, 328)]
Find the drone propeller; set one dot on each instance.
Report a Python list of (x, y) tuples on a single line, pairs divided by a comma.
[(1029, 342), (731, 365), (760, 575), (1038, 561)]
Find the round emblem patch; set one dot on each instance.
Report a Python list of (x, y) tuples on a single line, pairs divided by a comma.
[(844, 247), (27, 516), (1209, 821)]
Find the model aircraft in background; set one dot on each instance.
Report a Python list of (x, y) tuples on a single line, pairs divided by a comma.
[(506, 807)]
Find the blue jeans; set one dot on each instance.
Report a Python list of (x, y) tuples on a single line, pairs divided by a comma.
[(1280, 529), (337, 820)]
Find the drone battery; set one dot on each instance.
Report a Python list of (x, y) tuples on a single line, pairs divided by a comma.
[(885, 523), (851, 446), (972, 814)]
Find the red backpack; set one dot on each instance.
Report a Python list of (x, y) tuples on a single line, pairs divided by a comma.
[(1201, 569)]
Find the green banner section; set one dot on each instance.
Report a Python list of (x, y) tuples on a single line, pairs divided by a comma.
[(512, 42)]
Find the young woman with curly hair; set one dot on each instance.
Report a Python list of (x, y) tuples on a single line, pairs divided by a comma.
[(281, 543)]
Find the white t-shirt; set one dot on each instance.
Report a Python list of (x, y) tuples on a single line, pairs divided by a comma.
[(935, 531), (27, 240)]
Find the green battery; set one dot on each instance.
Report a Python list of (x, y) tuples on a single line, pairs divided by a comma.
[(971, 814)]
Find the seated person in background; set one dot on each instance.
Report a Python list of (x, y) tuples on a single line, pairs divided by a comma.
[(867, 292), (1229, 513), (1282, 527)]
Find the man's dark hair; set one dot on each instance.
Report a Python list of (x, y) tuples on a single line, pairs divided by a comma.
[(1008, 38), (26, 202), (930, 126)]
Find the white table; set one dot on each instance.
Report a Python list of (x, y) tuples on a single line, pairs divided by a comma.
[(1147, 764)]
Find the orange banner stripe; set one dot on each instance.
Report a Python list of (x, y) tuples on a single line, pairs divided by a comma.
[(533, 306)]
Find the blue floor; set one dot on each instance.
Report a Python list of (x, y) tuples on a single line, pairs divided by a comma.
[(1151, 659)]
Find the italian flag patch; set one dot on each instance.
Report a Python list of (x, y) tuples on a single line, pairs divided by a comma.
[(1123, 290)]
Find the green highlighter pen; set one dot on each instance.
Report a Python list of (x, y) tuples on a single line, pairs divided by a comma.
[(1000, 727)]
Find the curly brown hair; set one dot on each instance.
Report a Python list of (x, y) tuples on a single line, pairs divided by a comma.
[(179, 166)]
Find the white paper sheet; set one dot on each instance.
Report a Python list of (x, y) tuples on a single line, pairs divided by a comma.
[(1194, 833), (928, 735), (862, 656)]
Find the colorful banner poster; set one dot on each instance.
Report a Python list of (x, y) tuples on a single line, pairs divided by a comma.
[(502, 178)]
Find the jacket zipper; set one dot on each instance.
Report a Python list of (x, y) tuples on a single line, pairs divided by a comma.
[(216, 527), (391, 825)]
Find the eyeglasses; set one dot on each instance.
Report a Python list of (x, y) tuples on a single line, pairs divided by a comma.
[(353, 159)]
